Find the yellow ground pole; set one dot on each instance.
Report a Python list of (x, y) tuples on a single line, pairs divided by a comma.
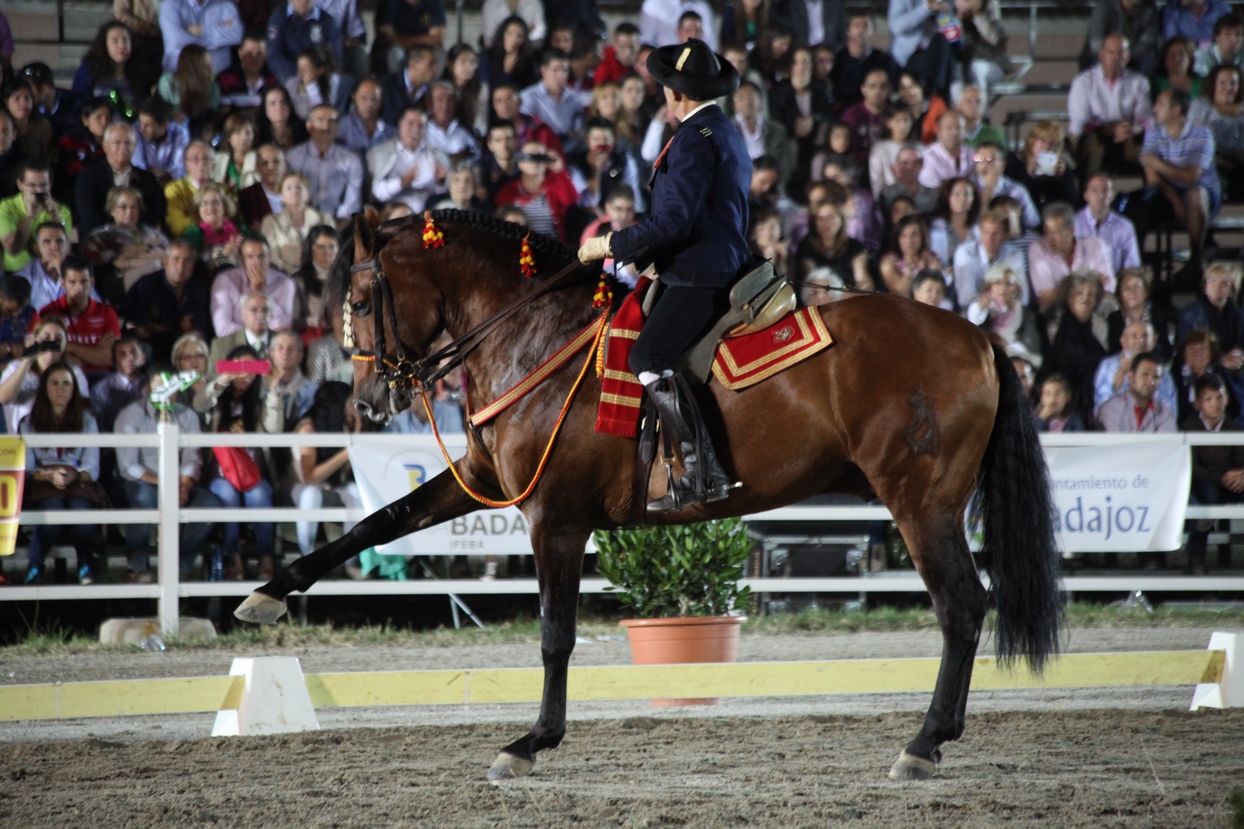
[(66, 700), (743, 679)]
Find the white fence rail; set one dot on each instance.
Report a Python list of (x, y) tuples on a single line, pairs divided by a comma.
[(169, 589)]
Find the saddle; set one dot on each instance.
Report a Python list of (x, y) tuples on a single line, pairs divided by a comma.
[(757, 300)]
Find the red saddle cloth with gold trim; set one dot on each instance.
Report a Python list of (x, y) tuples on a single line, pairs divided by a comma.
[(740, 361), (745, 361)]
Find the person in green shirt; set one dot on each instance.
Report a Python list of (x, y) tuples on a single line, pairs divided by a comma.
[(976, 130), (21, 214)]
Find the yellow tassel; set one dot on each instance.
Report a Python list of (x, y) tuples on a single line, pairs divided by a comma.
[(432, 236), (526, 258), (603, 297), (601, 344)]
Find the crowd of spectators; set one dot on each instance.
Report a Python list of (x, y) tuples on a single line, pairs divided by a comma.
[(180, 204)]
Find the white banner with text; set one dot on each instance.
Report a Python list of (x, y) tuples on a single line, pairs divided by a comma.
[(1121, 498), (1126, 498), (385, 474)]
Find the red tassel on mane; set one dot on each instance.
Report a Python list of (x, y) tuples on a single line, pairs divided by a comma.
[(432, 236), (526, 258)]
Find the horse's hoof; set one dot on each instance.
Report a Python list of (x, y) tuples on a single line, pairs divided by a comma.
[(261, 609), (508, 767), (911, 767)]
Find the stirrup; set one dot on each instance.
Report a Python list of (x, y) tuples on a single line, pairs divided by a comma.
[(683, 493), (677, 499)]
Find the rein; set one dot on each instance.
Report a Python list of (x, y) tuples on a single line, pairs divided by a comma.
[(399, 372), (598, 342)]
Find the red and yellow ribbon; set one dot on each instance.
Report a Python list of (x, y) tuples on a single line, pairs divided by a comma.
[(526, 258), (432, 236)]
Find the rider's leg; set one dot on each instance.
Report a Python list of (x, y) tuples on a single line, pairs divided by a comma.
[(703, 477), (679, 316)]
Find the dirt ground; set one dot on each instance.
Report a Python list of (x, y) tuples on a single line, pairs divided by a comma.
[(1111, 757)]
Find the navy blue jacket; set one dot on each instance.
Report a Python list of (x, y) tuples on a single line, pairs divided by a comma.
[(696, 232), (289, 35), (1196, 315), (394, 97)]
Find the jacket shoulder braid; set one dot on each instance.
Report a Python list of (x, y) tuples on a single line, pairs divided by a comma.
[(694, 135)]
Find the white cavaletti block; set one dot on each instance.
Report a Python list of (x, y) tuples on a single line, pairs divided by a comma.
[(1229, 691), (274, 699)]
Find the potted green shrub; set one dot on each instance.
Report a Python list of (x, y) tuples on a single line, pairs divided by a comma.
[(682, 583)]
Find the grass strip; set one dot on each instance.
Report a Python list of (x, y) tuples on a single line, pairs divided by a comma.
[(813, 621)]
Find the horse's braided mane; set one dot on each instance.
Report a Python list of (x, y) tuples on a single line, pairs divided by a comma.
[(339, 275), (539, 242)]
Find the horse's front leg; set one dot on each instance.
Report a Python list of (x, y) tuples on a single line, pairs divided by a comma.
[(441, 499), (559, 565)]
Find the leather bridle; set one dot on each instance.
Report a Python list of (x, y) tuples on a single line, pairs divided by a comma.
[(399, 373)]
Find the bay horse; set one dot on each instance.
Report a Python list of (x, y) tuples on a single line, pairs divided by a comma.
[(911, 405)]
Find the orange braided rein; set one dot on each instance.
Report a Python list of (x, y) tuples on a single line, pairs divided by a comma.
[(488, 502)]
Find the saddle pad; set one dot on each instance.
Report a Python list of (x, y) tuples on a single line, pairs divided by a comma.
[(745, 361), (740, 362)]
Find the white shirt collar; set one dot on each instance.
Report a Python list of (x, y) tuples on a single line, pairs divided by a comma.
[(742, 122), (704, 105), (1209, 428)]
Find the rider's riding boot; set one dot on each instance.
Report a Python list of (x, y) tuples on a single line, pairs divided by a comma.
[(703, 478)]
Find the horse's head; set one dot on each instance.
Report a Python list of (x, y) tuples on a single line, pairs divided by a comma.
[(407, 314)]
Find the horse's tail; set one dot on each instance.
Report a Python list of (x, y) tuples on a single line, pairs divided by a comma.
[(1016, 512)]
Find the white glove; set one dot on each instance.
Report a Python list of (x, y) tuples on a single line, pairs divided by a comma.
[(595, 249)]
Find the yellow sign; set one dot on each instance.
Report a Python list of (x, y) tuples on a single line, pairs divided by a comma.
[(12, 481)]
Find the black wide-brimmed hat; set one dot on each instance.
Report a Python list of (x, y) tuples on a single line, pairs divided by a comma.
[(693, 69)]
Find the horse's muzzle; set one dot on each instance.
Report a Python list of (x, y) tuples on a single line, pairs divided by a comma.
[(379, 403), (366, 410)]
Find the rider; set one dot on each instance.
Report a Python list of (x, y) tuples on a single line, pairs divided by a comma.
[(695, 236)]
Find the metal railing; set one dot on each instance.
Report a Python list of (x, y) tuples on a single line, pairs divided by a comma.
[(169, 589)]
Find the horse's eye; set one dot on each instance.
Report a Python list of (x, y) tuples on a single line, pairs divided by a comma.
[(361, 308)]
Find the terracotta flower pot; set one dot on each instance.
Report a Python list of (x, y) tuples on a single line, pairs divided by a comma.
[(682, 640)]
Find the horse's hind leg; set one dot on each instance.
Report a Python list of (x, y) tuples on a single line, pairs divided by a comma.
[(940, 553), (441, 499), (559, 566)]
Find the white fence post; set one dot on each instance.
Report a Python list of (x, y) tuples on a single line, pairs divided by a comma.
[(170, 528)]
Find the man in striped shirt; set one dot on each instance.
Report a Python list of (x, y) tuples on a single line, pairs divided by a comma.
[(335, 173), (1115, 231), (1178, 158)]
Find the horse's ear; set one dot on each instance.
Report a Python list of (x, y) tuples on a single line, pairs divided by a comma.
[(365, 225)]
